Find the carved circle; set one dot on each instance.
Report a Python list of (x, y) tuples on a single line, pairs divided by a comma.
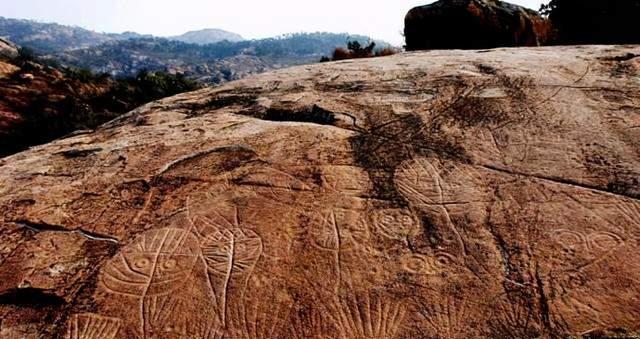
[(395, 223), (169, 264), (443, 261), (569, 240), (417, 264), (142, 263), (604, 241)]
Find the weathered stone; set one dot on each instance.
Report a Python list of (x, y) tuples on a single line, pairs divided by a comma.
[(450, 194), (8, 49), (473, 24)]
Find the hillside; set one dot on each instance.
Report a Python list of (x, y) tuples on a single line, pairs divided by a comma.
[(457, 194), (209, 56), (212, 63), (207, 36), (51, 37), (39, 103)]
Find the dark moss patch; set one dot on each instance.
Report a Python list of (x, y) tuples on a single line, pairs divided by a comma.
[(354, 86), (76, 153), (313, 114), (231, 100), (31, 298), (486, 69), (221, 100), (382, 149), (621, 58)]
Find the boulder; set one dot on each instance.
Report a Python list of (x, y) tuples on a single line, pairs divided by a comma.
[(8, 49), (473, 24), (451, 194)]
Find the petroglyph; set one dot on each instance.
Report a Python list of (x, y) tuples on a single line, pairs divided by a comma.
[(340, 230), (230, 256), (417, 264), (367, 315), (93, 326), (441, 191), (345, 180), (603, 241), (424, 264), (446, 318), (205, 329), (413, 215), (258, 318), (514, 318), (275, 180), (595, 242), (156, 264), (230, 248), (310, 323), (396, 223)]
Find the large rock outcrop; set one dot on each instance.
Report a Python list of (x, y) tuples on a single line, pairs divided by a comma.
[(473, 24), (454, 194), (8, 49)]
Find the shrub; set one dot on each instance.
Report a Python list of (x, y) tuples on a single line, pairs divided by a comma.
[(386, 51), (26, 54), (355, 50), (340, 54)]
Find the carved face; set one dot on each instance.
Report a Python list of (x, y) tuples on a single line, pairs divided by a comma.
[(157, 263), (238, 249)]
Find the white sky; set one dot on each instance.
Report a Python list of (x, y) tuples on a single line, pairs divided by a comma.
[(380, 19)]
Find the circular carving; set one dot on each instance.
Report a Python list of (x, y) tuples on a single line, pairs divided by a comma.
[(443, 261), (395, 223), (417, 264), (604, 241)]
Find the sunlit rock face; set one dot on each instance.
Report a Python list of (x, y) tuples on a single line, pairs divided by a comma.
[(453, 194), (473, 24), (8, 49)]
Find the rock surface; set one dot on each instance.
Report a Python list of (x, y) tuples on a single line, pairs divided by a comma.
[(8, 49), (473, 24), (455, 194)]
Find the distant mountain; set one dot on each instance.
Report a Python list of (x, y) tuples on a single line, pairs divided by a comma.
[(207, 36), (128, 35), (49, 37), (210, 56), (213, 63)]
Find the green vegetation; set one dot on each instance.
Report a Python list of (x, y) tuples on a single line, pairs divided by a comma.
[(48, 103), (126, 58), (128, 93), (355, 50)]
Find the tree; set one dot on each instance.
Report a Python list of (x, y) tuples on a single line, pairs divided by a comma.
[(594, 21)]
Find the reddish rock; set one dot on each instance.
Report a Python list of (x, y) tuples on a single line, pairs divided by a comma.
[(449, 194), (473, 24)]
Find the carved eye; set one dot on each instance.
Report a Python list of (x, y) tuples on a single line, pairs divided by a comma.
[(170, 264), (141, 263), (388, 219)]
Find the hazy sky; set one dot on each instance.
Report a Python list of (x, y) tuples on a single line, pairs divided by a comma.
[(381, 19)]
